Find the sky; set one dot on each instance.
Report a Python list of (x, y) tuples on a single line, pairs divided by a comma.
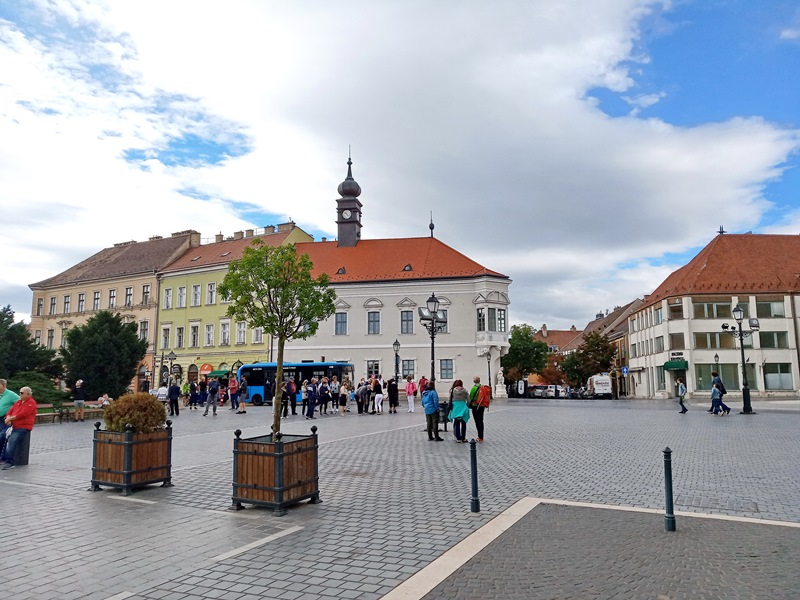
[(584, 148)]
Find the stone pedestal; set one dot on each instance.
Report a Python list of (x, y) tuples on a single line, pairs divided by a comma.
[(500, 391)]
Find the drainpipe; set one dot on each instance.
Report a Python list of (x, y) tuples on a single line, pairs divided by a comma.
[(796, 341)]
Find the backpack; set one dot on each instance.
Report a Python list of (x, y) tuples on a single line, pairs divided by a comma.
[(484, 396), (213, 387)]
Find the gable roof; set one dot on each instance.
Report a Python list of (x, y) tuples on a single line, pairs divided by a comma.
[(221, 253), (556, 337), (132, 258), (736, 264), (391, 260), (608, 325)]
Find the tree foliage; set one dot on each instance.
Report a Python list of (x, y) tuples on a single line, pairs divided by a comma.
[(552, 374), (593, 356), (44, 389), (272, 288), (19, 352), (105, 353), (525, 355)]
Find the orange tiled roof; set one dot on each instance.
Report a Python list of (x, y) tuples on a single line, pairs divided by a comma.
[(557, 337), (221, 253), (391, 260), (737, 263)]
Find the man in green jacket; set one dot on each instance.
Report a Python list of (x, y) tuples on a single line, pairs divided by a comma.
[(7, 400)]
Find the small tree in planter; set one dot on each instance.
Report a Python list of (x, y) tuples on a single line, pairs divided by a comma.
[(136, 447), (273, 288)]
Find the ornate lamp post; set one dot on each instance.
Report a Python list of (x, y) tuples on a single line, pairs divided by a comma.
[(489, 366), (170, 357), (740, 334), (396, 348), (434, 320)]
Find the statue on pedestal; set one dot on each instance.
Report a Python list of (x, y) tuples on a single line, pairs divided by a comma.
[(500, 387)]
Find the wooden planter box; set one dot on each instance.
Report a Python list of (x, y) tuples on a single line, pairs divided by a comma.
[(275, 471), (129, 460)]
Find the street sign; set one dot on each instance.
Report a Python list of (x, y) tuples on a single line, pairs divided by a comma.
[(624, 370)]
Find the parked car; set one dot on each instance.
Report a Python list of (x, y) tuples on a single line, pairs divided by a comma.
[(537, 391)]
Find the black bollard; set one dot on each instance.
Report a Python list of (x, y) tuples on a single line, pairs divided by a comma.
[(669, 518), (474, 503)]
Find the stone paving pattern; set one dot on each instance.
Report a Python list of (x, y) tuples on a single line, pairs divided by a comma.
[(393, 502)]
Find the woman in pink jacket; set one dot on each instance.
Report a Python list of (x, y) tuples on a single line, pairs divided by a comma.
[(411, 392)]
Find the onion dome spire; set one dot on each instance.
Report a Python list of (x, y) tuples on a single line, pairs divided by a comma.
[(349, 188)]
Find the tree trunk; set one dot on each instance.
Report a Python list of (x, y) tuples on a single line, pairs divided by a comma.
[(276, 400)]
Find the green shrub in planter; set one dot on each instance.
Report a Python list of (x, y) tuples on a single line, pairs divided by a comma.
[(145, 413)]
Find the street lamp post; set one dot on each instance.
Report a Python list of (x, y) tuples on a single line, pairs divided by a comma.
[(434, 320), (171, 357), (396, 348), (741, 335), (489, 366)]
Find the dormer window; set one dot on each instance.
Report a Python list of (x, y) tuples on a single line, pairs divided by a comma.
[(341, 271), (195, 258), (225, 253), (408, 267)]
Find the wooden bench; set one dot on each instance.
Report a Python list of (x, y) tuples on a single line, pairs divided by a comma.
[(48, 417), (91, 410)]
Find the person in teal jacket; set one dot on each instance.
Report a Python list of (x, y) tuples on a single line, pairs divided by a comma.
[(459, 411), (430, 402)]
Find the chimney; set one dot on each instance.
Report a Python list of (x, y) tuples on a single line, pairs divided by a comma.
[(237, 235), (218, 238), (544, 330), (324, 239), (154, 237), (248, 233), (573, 328), (194, 239), (283, 227), (599, 315), (269, 228)]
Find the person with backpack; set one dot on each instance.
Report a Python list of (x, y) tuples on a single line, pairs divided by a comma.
[(311, 388), (479, 398), (213, 391), (459, 413)]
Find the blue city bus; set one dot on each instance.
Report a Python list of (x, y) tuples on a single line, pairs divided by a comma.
[(258, 374)]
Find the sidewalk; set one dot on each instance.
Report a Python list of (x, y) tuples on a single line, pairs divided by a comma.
[(393, 503)]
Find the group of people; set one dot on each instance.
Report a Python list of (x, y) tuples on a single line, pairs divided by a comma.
[(718, 391), (206, 393), (460, 404)]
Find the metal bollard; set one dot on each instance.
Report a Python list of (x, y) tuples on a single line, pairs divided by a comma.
[(669, 518), (474, 503)]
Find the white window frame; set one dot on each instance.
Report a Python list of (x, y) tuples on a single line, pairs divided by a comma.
[(208, 339), (197, 294), (182, 297), (167, 298), (211, 293)]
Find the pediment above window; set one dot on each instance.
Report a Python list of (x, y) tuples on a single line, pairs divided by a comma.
[(406, 303), (373, 303), (341, 303)]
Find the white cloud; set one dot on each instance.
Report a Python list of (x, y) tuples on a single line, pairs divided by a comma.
[(790, 34), (475, 110)]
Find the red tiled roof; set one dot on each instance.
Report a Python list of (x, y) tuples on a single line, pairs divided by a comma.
[(221, 253), (557, 337), (737, 263), (118, 261), (388, 259)]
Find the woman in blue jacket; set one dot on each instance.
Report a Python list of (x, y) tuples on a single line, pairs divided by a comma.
[(430, 402)]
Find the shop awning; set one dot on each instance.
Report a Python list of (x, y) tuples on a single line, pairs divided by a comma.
[(219, 373), (676, 365)]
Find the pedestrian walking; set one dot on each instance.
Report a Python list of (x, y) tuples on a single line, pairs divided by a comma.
[(394, 395), (716, 380), (203, 386), (411, 393), (430, 403), (459, 412), (211, 400), (681, 394), (323, 396), (344, 394), (304, 396), (284, 401), (475, 406), (20, 417), (194, 395)]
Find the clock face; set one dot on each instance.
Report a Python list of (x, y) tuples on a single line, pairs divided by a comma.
[(347, 214)]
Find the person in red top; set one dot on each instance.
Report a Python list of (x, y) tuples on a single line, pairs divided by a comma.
[(20, 417)]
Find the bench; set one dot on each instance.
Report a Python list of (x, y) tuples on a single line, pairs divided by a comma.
[(45, 417), (91, 410)]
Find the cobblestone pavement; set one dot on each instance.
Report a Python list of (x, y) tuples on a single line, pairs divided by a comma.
[(394, 502)]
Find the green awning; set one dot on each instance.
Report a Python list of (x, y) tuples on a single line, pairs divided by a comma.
[(219, 373), (676, 365)]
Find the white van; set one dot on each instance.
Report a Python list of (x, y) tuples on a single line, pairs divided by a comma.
[(555, 391)]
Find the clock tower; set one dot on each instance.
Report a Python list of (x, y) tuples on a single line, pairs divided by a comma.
[(348, 210)]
